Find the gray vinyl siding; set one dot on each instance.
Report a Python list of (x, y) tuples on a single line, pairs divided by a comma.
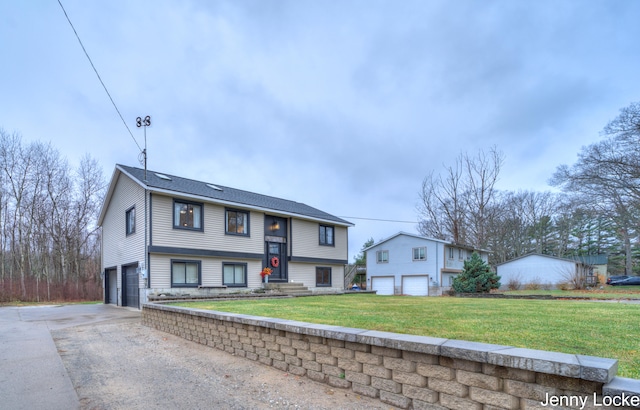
[(306, 241), (117, 248), (213, 235), (306, 273), (211, 270)]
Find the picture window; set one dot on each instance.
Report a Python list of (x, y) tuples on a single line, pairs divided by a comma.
[(185, 273), (237, 222), (187, 215), (326, 235), (234, 274)]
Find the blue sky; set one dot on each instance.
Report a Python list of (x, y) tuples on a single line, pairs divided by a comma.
[(343, 105)]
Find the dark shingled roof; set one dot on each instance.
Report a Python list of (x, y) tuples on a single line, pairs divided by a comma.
[(226, 194)]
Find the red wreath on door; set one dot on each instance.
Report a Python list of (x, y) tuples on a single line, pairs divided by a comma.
[(275, 262)]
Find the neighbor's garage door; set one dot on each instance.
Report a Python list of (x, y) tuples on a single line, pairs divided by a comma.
[(383, 285), (415, 285)]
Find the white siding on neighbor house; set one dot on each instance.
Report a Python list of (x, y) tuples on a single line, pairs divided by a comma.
[(213, 235), (536, 269), (306, 241), (117, 248), (459, 256), (401, 261)]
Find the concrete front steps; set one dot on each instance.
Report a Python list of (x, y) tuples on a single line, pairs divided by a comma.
[(289, 288)]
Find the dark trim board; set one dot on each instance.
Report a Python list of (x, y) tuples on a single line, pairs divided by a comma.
[(318, 260), (170, 250)]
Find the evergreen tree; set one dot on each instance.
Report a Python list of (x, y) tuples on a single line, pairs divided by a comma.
[(476, 277)]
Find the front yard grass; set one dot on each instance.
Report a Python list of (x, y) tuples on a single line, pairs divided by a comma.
[(607, 292), (579, 327)]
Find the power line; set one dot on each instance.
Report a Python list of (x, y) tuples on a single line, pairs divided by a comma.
[(97, 74), (378, 220)]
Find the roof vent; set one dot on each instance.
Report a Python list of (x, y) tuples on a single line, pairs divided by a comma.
[(217, 188), (162, 176)]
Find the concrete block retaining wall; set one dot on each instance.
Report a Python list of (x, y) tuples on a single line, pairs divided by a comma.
[(407, 371)]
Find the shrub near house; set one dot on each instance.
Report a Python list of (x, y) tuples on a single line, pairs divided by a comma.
[(476, 277)]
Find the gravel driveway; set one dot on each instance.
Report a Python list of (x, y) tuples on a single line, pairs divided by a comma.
[(125, 365)]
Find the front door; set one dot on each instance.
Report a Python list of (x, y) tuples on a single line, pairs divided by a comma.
[(275, 252), (276, 259)]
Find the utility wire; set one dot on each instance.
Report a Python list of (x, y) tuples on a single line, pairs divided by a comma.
[(379, 220), (97, 74)]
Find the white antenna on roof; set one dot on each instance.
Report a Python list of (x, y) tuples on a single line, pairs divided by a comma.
[(144, 122)]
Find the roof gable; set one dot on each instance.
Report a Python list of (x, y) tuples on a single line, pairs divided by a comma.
[(172, 185), (411, 235), (540, 255)]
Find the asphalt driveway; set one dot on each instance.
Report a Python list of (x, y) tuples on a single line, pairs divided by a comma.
[(32, 374)]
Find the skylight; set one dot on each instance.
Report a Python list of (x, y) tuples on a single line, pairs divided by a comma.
[(163, 176), (217, 188)]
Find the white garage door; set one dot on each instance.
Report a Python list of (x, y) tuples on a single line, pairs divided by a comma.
[(415, 285), (383, 286)]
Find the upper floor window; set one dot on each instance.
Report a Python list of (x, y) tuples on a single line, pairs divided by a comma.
[(460, 254), (187, 215), (130, 216), (420, 254), (237, 222), (450, 253), (234, 274), (185, 273), (382, 256), (326, 235)]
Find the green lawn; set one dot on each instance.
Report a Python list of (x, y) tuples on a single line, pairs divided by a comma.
[(607, 292), (581, 327)]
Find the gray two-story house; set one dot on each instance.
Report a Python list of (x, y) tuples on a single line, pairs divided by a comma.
[(163, 234)]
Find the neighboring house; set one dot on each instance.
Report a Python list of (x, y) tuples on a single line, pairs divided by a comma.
[(163, 234), (599, 263), (408, 264), (544, 270)]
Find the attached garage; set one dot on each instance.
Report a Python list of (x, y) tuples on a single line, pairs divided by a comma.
[(111, 286), (383, 285), (130, 287), (415, 285)]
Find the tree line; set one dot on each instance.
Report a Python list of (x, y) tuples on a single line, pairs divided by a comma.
[(597, 210), (49, 241)]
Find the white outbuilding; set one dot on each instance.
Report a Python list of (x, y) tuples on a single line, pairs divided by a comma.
[(544, 270)]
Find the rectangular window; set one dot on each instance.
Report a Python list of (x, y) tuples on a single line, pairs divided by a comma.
[(187, 215), (382, 256), (420, 254), (234, 274), (326, 235), (131, 220), (323, 276), (450, 253), (237, 222), (460, 254), (185, 273)]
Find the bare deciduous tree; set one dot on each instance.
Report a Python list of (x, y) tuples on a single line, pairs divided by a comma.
[(47, 223), (457, 206)]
